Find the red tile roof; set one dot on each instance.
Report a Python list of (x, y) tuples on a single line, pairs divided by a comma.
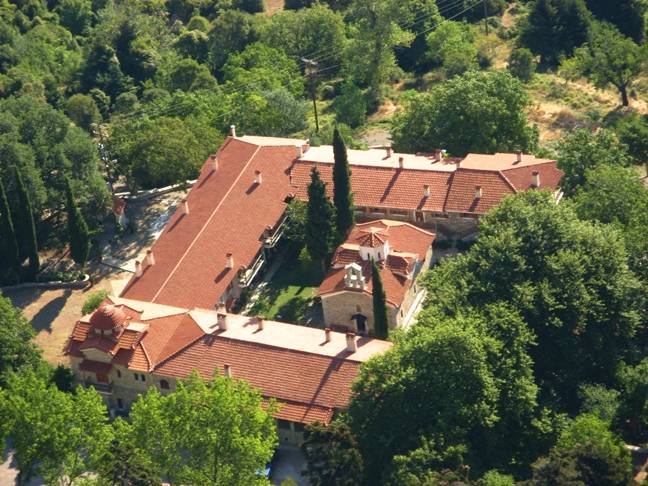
[(292, 364), (408, 245)]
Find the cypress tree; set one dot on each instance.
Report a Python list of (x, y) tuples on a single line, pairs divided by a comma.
[(26, 226), (381, 324), (9, 248), (320, 220), (78, 231), (342, 194)]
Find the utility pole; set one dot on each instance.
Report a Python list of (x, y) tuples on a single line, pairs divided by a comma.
[(310, 70), (485, 16)]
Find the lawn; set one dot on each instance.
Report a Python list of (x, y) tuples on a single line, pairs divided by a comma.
[(289, 295)]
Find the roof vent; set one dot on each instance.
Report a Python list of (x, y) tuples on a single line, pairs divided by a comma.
[(227, 370), (426, 190), (185, 206), (258, 177), (233, 131), (229, 260), (478, 192), (150, 258), (261, 323), (438, 155), (351, 344), (221, 318), (138, 269), (300, 151), (535, 178), (214, 163), (519, 156), (401, 162), (327, 334), (390, 150)]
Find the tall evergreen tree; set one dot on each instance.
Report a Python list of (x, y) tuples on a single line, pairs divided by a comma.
[(381, 324), (9, 245), (320, 220), (78, 231), (26, 226), (342, 194)]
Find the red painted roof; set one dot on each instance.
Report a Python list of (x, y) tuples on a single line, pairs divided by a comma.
[(292, 364), (408, 245)]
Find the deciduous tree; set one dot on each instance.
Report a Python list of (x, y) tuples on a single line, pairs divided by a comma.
[(16, 347)]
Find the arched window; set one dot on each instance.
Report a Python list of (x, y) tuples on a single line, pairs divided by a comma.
[(164, 384)]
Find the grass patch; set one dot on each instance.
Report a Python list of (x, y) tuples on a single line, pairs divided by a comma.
[(289, 295)]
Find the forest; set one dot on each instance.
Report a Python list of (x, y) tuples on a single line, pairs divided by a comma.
[(529, 362)]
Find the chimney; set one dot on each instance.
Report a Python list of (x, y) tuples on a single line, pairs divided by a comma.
[(401, 162), (390, 151), (327, 334), (214, 163), (519, 156), (351, 344), (535, 178), (227, 370), (258, 177), (300, 151), (426, 190), (138, 269), (221, 318), (185, 206), (233, 131), (150, 258), (229, 263), (438, 155), (478, 192), (261, 323)]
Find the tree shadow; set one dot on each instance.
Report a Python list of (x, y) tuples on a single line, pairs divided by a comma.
[(50, 311)]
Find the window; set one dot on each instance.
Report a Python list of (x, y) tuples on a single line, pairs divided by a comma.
[(118, 374), (120, 404), (143, 377), (379, 256), (136, 376), (358, 308), (164, 384), (283, 424)]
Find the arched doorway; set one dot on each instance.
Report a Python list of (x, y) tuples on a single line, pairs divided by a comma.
[(360, 322)]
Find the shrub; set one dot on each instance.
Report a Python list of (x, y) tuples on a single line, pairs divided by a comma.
[(521, 64), (351, 106), (93, 301)]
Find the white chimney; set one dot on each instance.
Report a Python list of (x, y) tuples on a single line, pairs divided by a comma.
[(327, 334), (229, 262), (535, 178), (426, 190), (401, 162), (258, 177), (261, 323), (519, 156), (150, 258), (300, 151), (221, 318), (227, 370), (390, 151), (438, 155), (214, 163), (233, 131), (138, 269), (478, 192), (185, 206), (351, 344)]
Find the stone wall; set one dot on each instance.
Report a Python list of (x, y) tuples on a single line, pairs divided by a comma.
[(340, 307)]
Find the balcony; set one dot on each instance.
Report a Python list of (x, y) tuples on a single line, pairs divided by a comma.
[(102, 388)]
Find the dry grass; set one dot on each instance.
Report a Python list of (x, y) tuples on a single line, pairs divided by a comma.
[(273, 6)]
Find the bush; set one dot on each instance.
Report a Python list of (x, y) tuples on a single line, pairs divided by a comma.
[(351, 106), (521, 64), (93, 301), (82, 110)]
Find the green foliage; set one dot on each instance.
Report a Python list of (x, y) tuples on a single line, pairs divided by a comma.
[(321, 233), (599, 401), (26, 226), (632, 130), (93, 301), (198, 23), (207, 432), (476, 112), (16, 347), (162, 151), (379, 302), (125, 103), (342, 193), (54, 434), (627, 15), (427, 17), (194, 44), (250, 6), (633, 410), (78, 232), (583, 150), (586, 453), (351, 106), (452, 46), (295, 229), (231, 32), (568, 279), (189, 75), (555, 28), (609, 58), (8, 243), (82, 110), (521, 64), (75, 15), (332, 455)]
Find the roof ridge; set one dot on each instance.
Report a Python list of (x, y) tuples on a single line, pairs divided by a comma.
[(506, 179), (211, 216)]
